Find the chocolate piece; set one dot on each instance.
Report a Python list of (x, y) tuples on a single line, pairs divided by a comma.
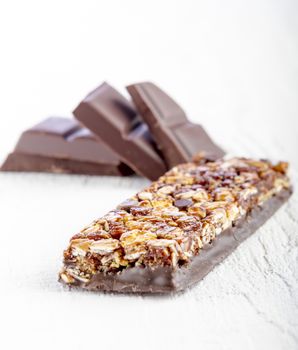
[(161, 246), (113, 118), (178, 139), (21, 162), (61, 145), (128, 204), (183, 203)]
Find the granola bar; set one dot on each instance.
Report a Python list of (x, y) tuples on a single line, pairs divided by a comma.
[(171, 234)]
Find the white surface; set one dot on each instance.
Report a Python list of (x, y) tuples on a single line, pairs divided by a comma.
[(233, 66)]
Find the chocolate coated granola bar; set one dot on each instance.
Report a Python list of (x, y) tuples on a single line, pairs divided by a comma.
[(171, 234)]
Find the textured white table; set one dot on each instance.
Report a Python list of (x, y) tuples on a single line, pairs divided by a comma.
[(233, 66)]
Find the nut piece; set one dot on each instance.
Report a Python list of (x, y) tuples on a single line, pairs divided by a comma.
[(162, 203), (281, 167), (280, 183), (92, 228), (200, 195), (80, 247), (261, 166), (217, 216), (104, 246), (219, 219), (134, 242), (165, 249), (197, 210), (104, 223), (135, 237), (208, 233), (134, 253), (114, 259), (248, 192), (233, 212), (66, 278), (185, 195), (209, 206), (145, 195), (223, 194), (166, 190), (77, 274)]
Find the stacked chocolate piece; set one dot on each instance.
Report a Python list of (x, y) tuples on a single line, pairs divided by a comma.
[(114, 136)]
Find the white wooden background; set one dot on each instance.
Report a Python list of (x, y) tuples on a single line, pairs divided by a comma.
[(233, 66)]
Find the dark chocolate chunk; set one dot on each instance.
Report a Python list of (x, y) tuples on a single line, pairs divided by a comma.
[(61, 145), (128, 204), (178, 139), (113, 118), (183, 203)]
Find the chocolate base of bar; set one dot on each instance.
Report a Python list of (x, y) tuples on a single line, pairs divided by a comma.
[(34, 163), (166, 279)]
